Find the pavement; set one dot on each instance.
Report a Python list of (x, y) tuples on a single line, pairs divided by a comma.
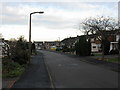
[(35, 76), (68, 71)]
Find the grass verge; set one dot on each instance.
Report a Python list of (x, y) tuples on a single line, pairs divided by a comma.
[(114, 60)]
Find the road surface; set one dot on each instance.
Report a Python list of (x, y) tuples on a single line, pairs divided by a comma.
[(71, 72), (35, 76)]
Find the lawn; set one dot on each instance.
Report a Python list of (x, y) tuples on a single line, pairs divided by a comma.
[(97, 54), (115, 60)]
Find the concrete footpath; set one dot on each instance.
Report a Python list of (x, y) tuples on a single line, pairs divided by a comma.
[(35, 76)]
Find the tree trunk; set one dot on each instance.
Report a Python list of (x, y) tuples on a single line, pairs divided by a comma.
[(102, 48)]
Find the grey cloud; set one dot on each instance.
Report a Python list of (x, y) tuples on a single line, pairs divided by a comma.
[(54, 22), (53, 17)]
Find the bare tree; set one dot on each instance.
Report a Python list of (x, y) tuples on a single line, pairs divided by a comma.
[(99, 26)]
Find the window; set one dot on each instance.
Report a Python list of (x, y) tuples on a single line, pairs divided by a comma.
[(94, 46)]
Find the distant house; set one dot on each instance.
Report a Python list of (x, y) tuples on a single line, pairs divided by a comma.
[(69, 42), (39, 45), (51, 44)]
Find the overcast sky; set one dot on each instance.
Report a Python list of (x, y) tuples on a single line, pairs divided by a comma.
[(60, 19)]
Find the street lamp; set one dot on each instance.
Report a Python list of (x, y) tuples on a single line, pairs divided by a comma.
[(30, 32)]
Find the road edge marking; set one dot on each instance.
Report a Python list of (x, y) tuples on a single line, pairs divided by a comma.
[(51, 80)]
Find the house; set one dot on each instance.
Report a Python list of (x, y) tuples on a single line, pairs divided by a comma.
[(95, 43), (112, 36), (3, 47), (39, 44), (51, 44), (70, 42), (114, 43)]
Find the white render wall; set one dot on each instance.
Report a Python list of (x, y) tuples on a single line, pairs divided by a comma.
[(94, 49), (117, 37)]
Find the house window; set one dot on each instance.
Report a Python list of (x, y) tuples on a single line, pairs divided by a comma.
[(94, 46)]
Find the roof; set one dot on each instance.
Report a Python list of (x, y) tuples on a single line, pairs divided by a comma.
[(38, 41), (51, 42)]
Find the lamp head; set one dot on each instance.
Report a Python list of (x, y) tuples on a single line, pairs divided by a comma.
[(40, 12), (37, 12)]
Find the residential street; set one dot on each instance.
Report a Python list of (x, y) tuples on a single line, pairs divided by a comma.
[(60, 44), (70, 72), (65, 71)]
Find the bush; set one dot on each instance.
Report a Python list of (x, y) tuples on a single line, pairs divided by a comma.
[(20, 56), (114, 51), (83, 47), (19, 51), (11, 68), (66, 49), (58, 49)]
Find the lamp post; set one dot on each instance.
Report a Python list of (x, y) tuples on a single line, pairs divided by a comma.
[(30, 33)]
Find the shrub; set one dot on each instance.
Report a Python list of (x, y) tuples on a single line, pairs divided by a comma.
[(19, 51), (11, 68), (114, 51), (58, 49), (66, 49), (83, 47)]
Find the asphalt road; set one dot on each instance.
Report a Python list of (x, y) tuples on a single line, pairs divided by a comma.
[(71, 72), (35, 76)]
